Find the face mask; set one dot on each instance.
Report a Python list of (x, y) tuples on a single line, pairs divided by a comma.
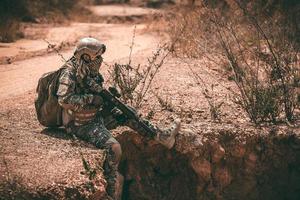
[(89, 68), (94, 66)]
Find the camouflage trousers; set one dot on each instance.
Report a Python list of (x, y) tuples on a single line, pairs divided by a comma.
[(97, 133)]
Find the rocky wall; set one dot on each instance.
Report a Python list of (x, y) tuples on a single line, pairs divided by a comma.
[(222, 163)]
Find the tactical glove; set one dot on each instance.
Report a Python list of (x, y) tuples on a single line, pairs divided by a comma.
[(93, 85)]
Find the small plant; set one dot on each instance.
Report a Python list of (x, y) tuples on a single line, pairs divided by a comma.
[(214, 106), (165, 103), (91, 171), (150, 114)]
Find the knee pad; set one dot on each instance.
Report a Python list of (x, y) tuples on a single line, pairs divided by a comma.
[(114, 149)]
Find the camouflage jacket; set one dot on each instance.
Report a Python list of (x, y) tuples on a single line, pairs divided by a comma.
[(74, 95)]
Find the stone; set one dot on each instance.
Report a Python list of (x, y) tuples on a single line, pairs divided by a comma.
[(238, 151), (202, 168), (223, 177), (218, 152), (137, 140), (251, 161), (197, 142), (185, 141), (252, 157), (189, 120), (99, 193)]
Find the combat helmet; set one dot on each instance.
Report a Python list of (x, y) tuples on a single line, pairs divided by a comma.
[(89, 47)]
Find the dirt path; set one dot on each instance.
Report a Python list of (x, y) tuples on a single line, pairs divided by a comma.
[(124, 10)]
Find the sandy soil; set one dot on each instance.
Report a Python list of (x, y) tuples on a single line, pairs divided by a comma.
[(124, 10)]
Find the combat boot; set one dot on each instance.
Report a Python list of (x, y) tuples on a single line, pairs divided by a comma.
[(167, 137)]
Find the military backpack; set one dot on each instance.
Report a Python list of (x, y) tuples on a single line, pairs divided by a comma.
[(48, 110)]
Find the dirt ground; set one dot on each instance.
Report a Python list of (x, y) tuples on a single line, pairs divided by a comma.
[(41, 160)]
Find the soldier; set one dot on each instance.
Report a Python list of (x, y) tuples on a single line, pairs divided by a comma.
[(77, 87)]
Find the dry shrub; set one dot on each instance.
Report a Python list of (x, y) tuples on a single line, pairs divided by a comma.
[(10, 31), (10, 11), (260, 48), (134, 81)]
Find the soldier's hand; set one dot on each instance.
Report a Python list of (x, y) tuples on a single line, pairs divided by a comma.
[(93, 85), (97, 101)]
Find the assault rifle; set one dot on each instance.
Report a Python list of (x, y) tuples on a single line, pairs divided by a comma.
[(111, 99)]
